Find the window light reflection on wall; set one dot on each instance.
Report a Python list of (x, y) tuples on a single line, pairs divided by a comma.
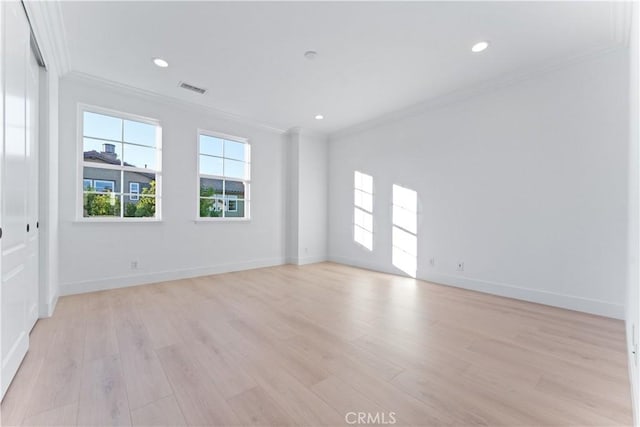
[(405, 229), (363, 209)]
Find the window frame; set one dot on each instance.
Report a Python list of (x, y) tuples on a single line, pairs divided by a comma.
[(80, 164), (223, 198)]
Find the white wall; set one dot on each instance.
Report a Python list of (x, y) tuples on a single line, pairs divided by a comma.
[(633, 297), (307, 198), (526, 184), (98, 255), (49, 191), (292, 156)]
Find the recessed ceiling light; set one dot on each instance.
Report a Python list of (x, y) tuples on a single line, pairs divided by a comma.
[(319, 117), (160, 62), (310, 54), (479, 47)]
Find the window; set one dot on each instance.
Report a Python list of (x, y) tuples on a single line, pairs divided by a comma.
[(120, 166), (103, 186), (405, 230), (224, 176), (363, 209), (134, 191), (232, 203)]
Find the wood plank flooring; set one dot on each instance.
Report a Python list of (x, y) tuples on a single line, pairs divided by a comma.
[(307, 345)]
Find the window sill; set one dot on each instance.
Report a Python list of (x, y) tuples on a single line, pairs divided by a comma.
[(115, 220), (199, 220)]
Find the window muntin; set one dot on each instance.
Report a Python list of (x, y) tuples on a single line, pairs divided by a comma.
[(363, 209), (121, 165), (224, 176)]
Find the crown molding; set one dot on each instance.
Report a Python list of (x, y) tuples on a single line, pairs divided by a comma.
[(304, 132), (48, 27), (472, 91), (169, 100)]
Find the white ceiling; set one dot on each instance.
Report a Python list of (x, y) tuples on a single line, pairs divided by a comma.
[(373, 58)]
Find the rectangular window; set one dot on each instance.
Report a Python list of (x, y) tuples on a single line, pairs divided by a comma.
[(363, 210), (405, 230), (224, 172), (102, 186), (134, 190), (121, 165)]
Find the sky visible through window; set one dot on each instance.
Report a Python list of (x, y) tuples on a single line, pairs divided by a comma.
[(139, 147)]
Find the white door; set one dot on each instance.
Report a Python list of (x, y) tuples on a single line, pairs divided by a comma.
[(33, 224), (15, 336)]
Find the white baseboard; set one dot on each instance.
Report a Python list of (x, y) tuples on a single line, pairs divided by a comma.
[(634, 381), (51, 306), (306, 260), (46, 309), (570, 302), (143, 279), (12, 361)]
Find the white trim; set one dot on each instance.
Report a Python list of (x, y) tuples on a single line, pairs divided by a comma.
[(220, 219), (306, 260), (553, 299), (142, 279), (48, 26), (90, 108), (472, 91), (172, 101), (49, 308), (117, 220), (9, 370), (220, 135), (131, 169)]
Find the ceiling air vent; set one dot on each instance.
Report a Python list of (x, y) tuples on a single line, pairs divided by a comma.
[(192, 88)]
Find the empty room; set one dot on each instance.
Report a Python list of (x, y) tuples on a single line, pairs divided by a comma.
[(319, 213)]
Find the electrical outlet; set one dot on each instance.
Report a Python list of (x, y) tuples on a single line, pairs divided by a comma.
[(134, 265), (634, 344), (432, 262), (460, 266)]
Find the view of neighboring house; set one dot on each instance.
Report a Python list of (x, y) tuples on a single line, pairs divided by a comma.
[(232, 202), (108, 180)]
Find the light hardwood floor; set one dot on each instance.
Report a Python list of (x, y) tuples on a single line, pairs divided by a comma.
[(307, 345)]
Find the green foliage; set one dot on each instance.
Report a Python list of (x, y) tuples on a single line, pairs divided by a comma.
[(208, 207), (130, 209), (146, 206), (101, 204), (108, 204)]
